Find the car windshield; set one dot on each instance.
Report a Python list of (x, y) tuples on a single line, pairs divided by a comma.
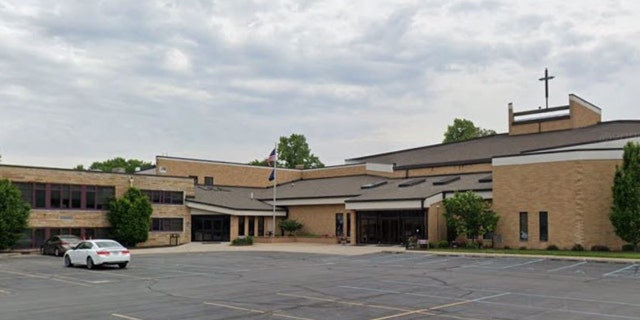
[(108, 244)]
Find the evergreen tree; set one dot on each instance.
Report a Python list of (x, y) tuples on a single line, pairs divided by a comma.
[(625, 211)]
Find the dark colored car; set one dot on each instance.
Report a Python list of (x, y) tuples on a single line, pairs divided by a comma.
[(58, 245)]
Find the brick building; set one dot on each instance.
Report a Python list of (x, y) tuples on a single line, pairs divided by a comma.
[(549, 178)]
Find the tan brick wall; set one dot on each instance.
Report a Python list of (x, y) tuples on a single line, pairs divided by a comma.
[(225, 174), (576, 195), (483, 167), (339, 171), (41, 218), (436, 223), (582, 116), (319, 220)]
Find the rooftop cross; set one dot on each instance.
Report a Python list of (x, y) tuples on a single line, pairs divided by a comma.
[(546, 85)]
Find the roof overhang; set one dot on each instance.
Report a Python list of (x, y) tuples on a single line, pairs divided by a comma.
[(206, 209), (408, 204), (308, 201)]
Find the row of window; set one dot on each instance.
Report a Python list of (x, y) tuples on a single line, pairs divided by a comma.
[(252, 226), (65, 196), (164, 197), (543, 224), (167, 224), (208, 181)]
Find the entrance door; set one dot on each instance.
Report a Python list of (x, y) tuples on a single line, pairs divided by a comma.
[(210, 228)]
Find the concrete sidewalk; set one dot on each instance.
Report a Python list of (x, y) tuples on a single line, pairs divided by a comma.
[(337, 249)]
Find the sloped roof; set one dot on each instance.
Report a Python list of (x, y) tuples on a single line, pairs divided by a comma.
[(237, 198), (348, 186), (427, 188), (481, 150)]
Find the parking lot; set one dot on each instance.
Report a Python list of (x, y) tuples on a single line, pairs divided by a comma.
[(279, 285)]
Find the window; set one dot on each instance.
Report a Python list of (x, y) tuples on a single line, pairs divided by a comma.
[(65, 196), (252, 225), (348, 224), (524, 228), (164, 197), (167, 224), (544, 226), (260, 226), (241, 226), (208, 181), (339, 224)]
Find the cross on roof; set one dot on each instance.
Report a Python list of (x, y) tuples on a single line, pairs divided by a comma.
[(546, 86)]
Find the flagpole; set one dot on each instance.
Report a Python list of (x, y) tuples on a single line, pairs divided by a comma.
[(275, 179)]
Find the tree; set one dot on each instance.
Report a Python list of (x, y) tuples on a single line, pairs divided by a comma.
[(463, 129), (14, 214), (293, 151), (625, 211), (290, 225), (129, 165), (468, 214), (130, 217)]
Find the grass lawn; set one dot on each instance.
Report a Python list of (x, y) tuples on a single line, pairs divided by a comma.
[(560, 253)]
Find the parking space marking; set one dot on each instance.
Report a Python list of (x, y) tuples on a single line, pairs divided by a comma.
[(117, 315), (619, 270), (4, 291), (53, 278), (567, 267), (359, 304), (437, 260), (234, 307), (522, 264)]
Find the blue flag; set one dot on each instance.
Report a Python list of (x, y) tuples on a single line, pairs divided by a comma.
[(272, 175)]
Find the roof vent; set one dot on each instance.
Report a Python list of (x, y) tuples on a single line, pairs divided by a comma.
[(488, 178), (373, 184), (411, 183), (446, 180)]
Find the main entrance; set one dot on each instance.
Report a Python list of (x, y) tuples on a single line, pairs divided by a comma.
[(210, 228), (390, 227)]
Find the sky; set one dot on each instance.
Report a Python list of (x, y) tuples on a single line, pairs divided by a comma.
[(84, 81)]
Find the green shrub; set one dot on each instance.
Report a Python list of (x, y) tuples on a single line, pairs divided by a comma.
[(628, 247), (599, 247), (577, 247), (247, 241), (507, 248), (433, 245), (552, 247), (472, 245), (443, 244), (522, 248)]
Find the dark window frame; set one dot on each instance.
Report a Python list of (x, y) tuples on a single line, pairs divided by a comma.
[(60, 196), (167, 224), (524, 226), (544, 225), (164, 196)]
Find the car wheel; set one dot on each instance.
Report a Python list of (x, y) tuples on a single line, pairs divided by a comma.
[(90, 264), (122, 265), (67, 262), (56, 252)]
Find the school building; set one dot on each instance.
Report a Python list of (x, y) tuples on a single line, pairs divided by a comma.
[(549, 178)]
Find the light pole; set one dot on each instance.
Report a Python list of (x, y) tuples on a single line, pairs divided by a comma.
[(438, 222)]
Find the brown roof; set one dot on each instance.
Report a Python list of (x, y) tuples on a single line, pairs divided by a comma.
[(481, 150), (424, 187), (238, 198), (348, 186)]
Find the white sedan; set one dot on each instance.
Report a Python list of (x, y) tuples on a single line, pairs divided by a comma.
[(92, 253)]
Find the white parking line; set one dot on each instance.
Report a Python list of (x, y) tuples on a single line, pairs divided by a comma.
[(4, 291), (620, 270), (124, 317), (567, 267), (522, 264)]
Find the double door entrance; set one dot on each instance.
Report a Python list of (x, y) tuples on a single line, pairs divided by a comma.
[(210, 228), (390, 227)]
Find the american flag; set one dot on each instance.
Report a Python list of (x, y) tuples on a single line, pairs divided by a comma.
[(272, 157)]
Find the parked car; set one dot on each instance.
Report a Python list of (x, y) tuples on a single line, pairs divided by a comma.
[(97, 252), (59, 244)]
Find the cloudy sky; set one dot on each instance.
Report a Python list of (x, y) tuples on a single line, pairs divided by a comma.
[(84, 81)]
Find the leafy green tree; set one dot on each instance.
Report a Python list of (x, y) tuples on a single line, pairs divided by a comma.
[(79, 167), (468, 214), (130, 217), (129, 165), (463, 129), (293, 151), (14, 214), (290, 225), (625, 211)]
